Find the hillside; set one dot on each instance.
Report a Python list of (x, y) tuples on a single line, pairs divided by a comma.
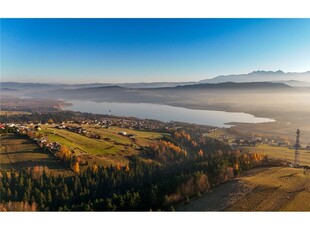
[(20, 153), (113, 149), (261, 189), (276, 189)]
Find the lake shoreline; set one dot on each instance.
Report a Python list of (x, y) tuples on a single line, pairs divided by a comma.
[(167, 113)]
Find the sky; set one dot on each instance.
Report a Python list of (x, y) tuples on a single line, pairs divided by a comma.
[(149, 50)]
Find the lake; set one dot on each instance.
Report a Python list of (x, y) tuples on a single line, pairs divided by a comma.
[(165, 113)]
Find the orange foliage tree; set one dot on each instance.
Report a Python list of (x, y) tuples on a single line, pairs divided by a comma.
[(76, 167), (166, 151)]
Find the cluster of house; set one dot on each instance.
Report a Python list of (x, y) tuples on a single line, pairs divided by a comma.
[(247, 142), (79, 130), (52, 146), (2, 126), (213, 129), (124, 123), (253, 141), (21, 128), (277, 142), (130, 135), (257, 141)]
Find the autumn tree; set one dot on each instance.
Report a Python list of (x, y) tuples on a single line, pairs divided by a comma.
[(118, 166), (50, 121), (76, 167)]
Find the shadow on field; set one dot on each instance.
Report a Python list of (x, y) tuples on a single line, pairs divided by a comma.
[(29, 163)]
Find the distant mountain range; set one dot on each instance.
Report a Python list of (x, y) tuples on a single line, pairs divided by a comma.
[(293, 79), (236, 85)]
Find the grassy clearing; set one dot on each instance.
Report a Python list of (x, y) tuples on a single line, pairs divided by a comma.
[(276, 189), (83, 143), (142, 138), (20, 153), (282, 153)]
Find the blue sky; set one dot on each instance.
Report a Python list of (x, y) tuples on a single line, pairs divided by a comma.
[(149, 50)]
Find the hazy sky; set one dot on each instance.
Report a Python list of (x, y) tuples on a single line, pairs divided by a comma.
[(148, 50)]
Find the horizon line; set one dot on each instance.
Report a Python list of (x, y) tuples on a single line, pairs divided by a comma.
[(154, 82)]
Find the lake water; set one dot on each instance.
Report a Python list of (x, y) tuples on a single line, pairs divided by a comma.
[(165, 113)]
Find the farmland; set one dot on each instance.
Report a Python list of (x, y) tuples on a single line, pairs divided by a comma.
[(283, 153), (276, 189), (111, 149), (261, 189), (20, 153)]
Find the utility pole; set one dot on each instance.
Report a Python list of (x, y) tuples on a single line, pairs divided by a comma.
[(297, 147)]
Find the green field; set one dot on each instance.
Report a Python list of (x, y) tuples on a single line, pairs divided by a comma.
[(78, 141), (143, 138), (20, 153), (282, 153), (114, 144), (110, 149)]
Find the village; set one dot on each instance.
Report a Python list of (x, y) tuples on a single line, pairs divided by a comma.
[(35, 130), (253, 140)]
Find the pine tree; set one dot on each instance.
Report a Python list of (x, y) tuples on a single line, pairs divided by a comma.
[(49, 197), (9, 194)]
